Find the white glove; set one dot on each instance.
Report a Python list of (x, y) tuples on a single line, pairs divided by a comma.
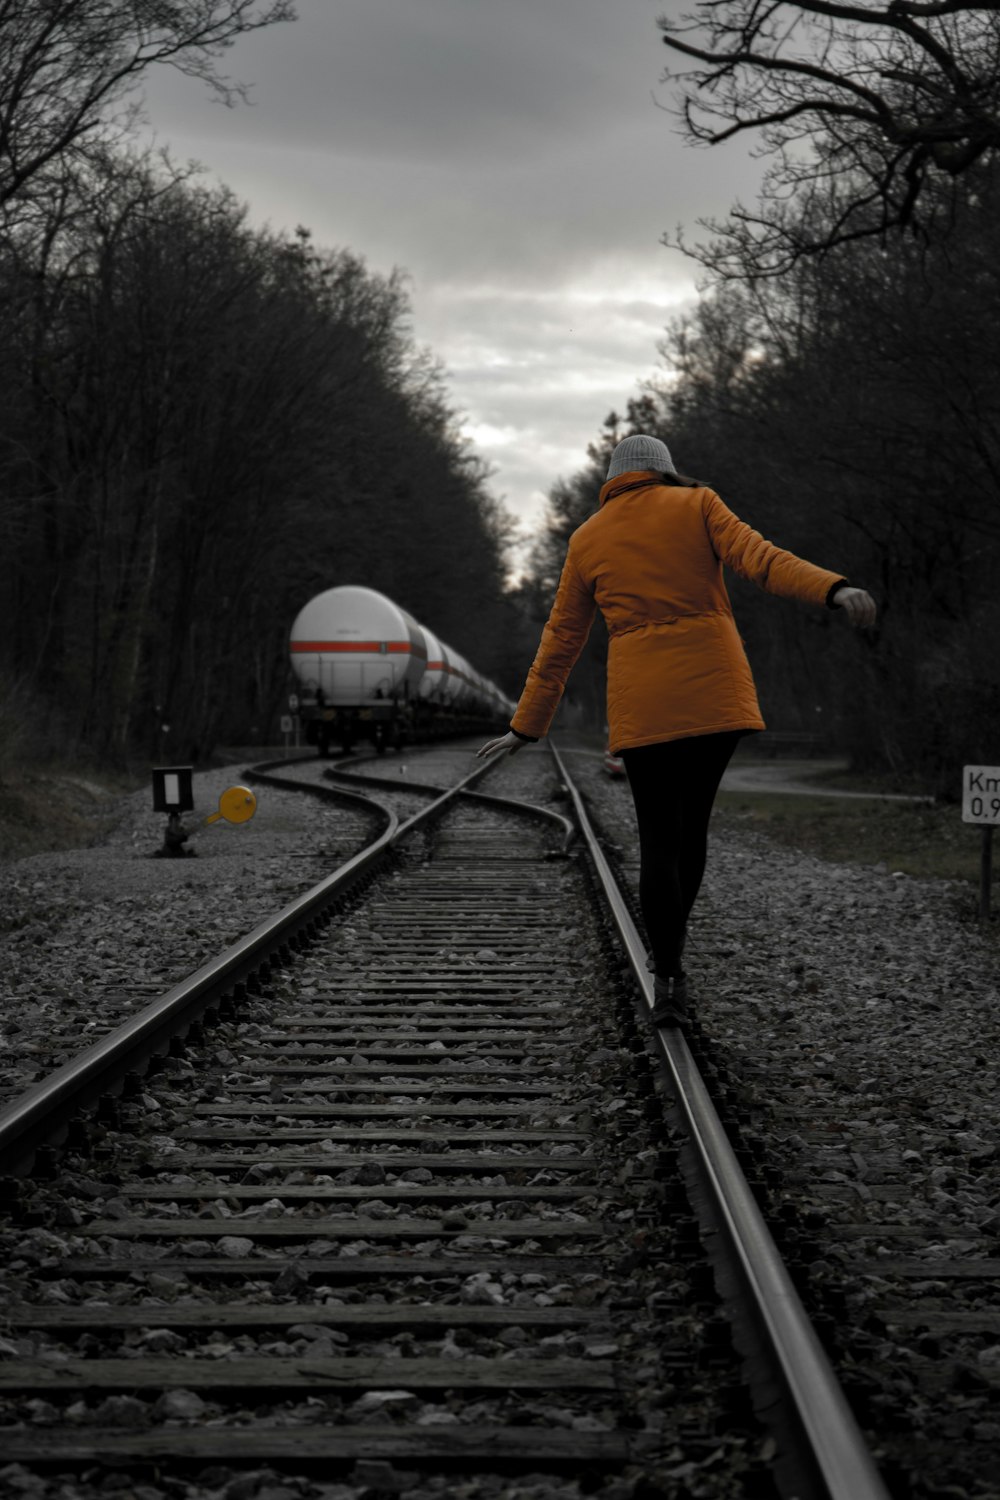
[(508, 742), (857, 604)]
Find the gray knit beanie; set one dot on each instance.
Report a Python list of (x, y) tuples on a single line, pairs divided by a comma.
[(640, 452)]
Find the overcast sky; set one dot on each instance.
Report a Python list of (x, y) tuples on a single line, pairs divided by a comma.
[(511, 156)]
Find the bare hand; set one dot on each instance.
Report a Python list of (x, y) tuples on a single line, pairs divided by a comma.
[(508, 742), (857, 604)]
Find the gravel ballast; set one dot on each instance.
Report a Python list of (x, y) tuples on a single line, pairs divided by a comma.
[(89, 936), (846, 982), (852, 1015), (855, 1009)]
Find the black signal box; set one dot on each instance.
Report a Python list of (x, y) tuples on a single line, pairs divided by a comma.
[(172, 789)]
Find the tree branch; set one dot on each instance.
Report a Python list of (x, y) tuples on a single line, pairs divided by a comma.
[(64, 64), (896, 93)]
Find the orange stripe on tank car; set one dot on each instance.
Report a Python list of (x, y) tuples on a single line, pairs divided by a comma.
[(370, 646)]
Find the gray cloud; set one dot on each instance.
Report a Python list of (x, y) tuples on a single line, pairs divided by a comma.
[(511, 157)]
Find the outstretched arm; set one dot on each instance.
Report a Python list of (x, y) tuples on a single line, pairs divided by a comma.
[(779, 572), (563, 638)]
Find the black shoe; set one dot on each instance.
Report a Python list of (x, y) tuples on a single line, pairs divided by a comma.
[(651, 961), (669, 1001)]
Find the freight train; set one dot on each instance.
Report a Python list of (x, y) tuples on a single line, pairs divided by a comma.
[(367, 671)]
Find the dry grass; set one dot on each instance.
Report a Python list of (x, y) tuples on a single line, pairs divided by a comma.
[(57, 807), (912, 837)]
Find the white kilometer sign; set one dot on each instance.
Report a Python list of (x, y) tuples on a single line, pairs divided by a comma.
[(981, 795)]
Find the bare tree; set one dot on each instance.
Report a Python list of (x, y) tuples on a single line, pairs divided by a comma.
[(65, 65), (203, 425), (859, 106)]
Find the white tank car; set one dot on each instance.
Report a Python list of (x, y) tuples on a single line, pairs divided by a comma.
[(462, 674), (482, 691), (356, 647), (434, 685), (450, 684), (367, 670)]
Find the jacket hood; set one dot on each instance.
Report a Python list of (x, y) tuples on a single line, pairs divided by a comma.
[(636, 479)]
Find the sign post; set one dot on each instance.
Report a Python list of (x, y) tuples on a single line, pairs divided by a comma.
[(981, 804)]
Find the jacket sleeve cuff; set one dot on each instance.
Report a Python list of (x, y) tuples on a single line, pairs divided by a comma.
[(831, 601), (531, 739)]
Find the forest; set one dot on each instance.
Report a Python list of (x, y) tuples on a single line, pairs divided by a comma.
[(838, 383), (205, 423)]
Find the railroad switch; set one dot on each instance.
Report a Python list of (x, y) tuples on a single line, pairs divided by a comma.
[(173, 793), (175, 836)]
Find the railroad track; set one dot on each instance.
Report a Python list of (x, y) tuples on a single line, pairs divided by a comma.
[(905, 1299), (396, 1190)]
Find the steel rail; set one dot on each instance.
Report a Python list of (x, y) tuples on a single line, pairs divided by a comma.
[(828, 1454), (44, 1114), (486, 799)]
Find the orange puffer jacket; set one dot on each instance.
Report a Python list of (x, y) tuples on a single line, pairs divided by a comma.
[(651, 560)]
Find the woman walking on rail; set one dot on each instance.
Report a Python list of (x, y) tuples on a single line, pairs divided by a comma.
[(680, 690)]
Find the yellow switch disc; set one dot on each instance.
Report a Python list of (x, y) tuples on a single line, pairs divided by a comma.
[(237, 805)]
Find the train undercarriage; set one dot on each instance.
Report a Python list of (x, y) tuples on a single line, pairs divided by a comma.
[(387, 726)]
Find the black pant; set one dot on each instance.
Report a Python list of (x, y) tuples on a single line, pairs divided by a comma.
[(673, 788)]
